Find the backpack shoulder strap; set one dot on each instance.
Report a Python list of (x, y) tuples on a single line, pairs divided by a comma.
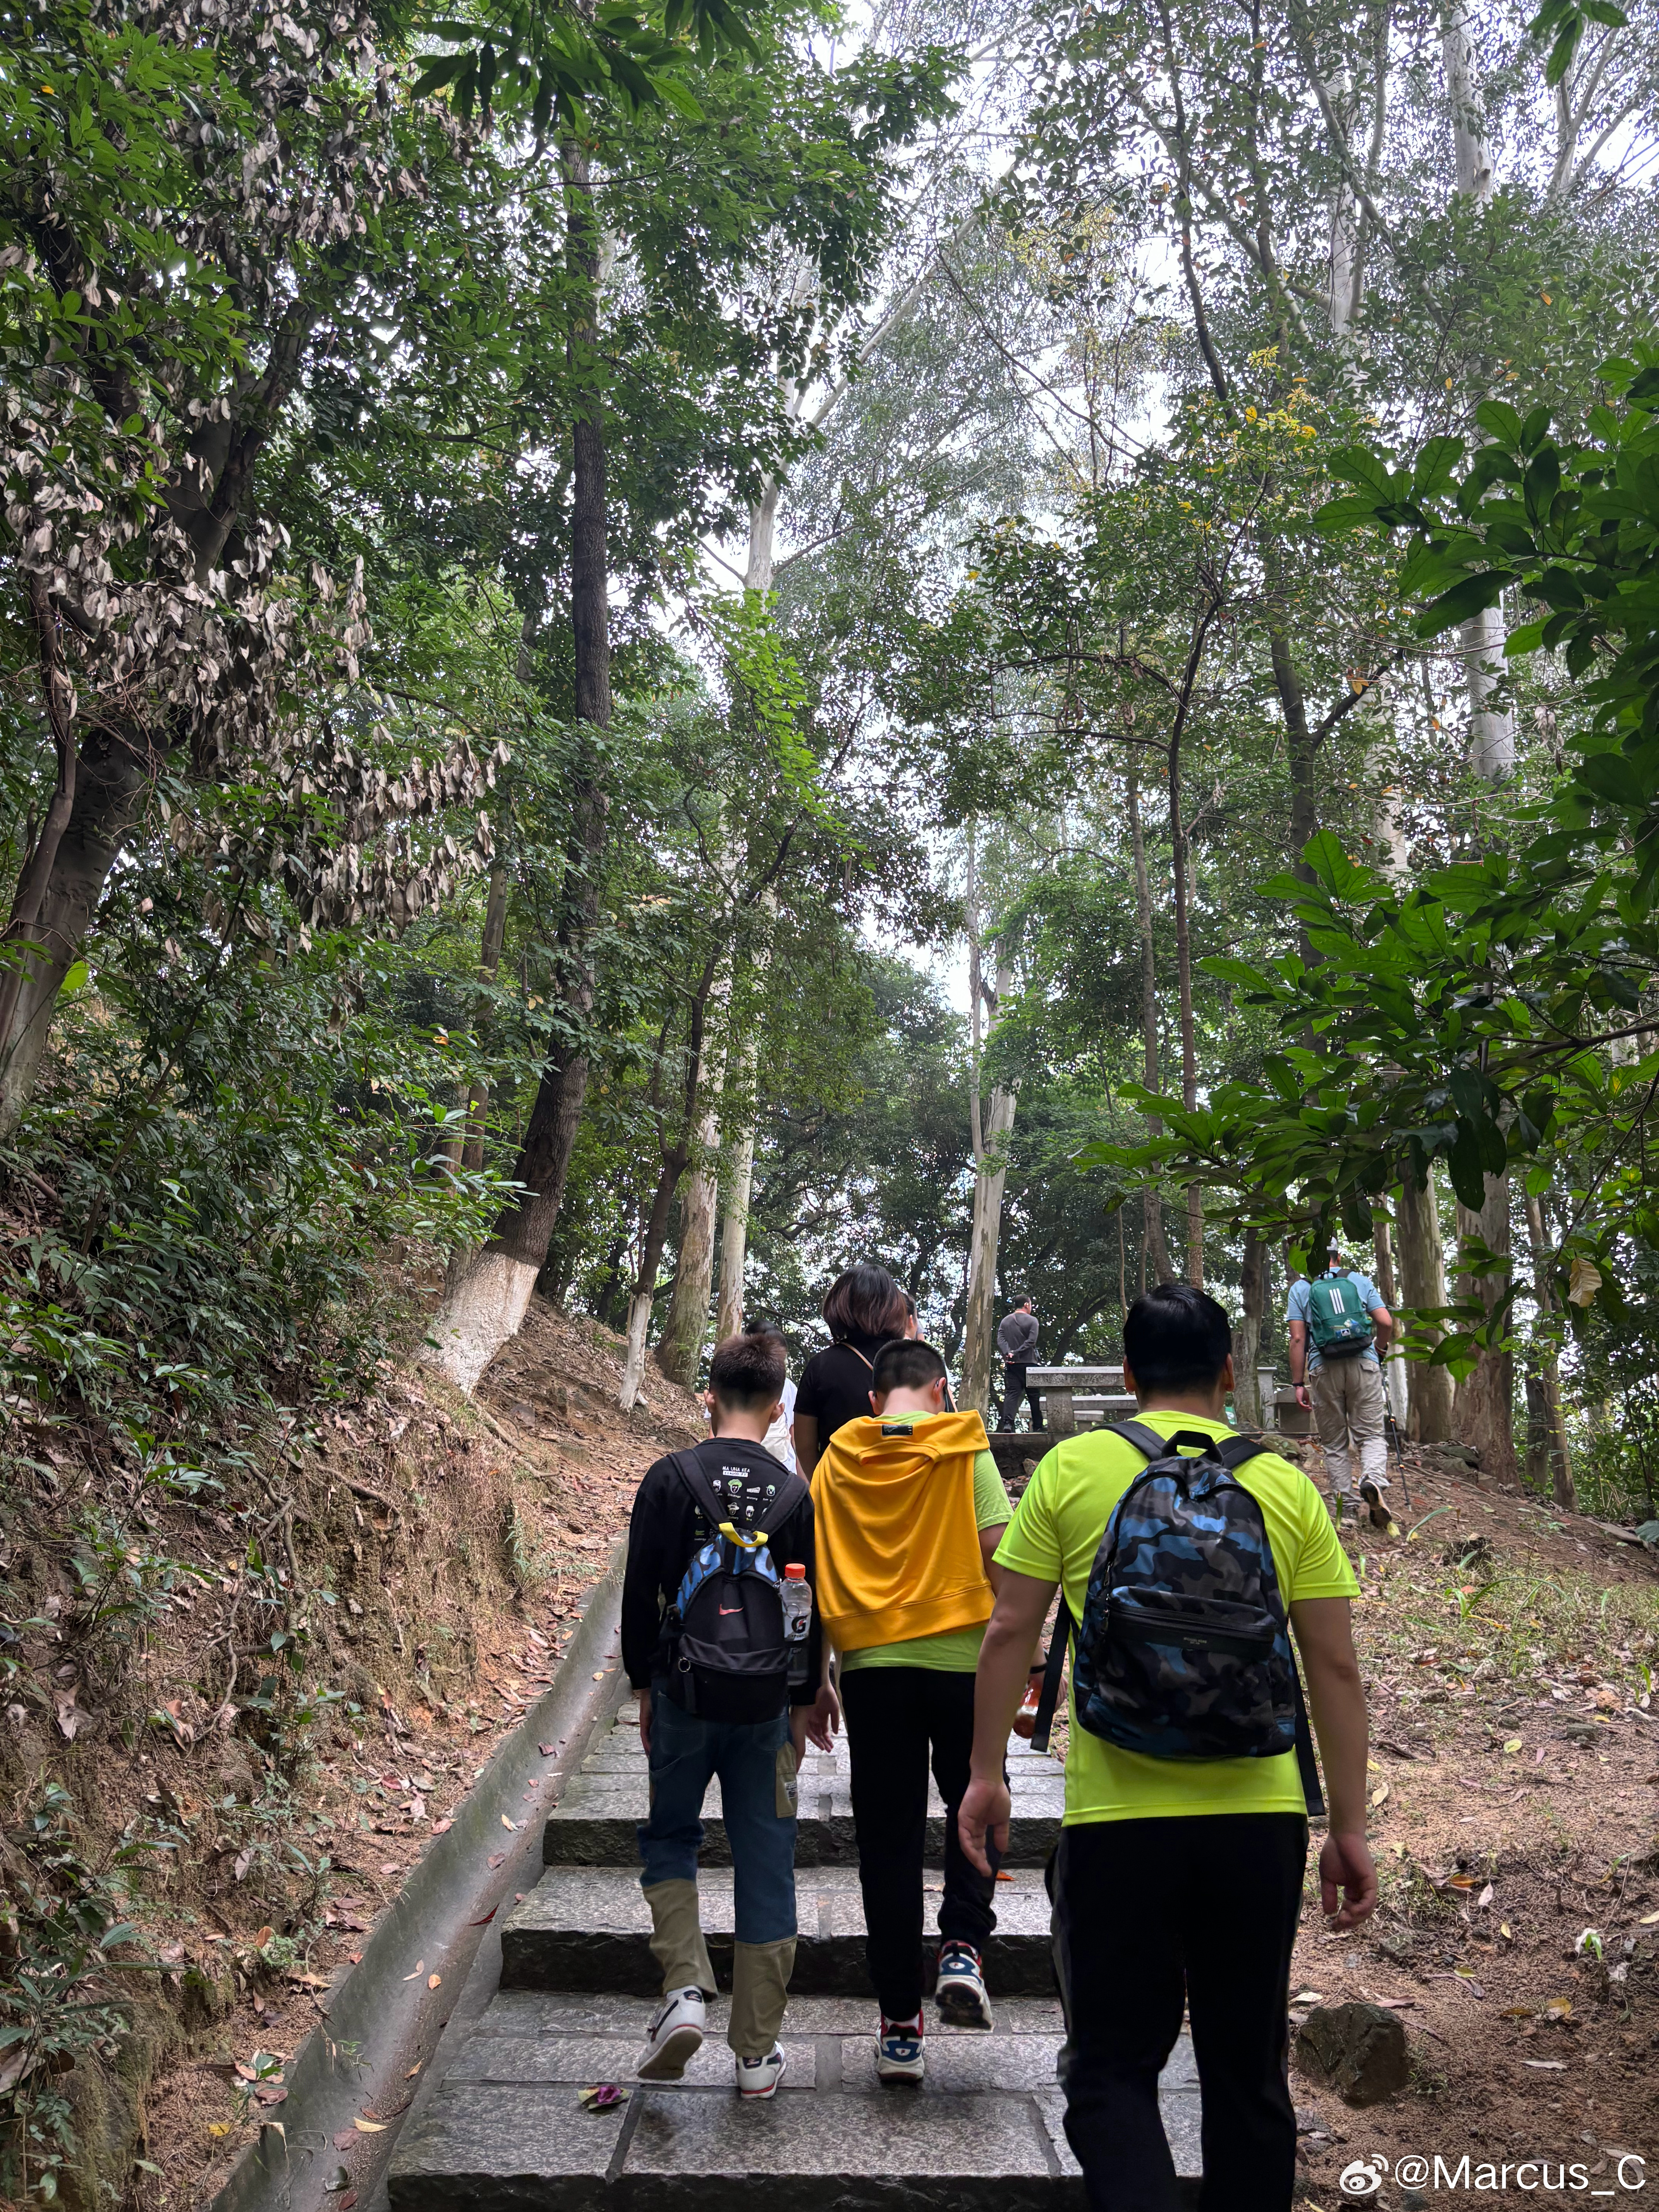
[(708, 1501), (1052, 1665), (1145, 1439), (1233, 1451)]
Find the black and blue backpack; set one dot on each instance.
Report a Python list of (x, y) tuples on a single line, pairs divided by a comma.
[(1183, 1651), (724, 1645)]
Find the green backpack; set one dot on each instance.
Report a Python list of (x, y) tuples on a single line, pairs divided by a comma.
[(1339, 1326)]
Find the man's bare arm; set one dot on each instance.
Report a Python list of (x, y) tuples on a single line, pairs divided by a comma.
[(1005, 1659), (1323, 1628)]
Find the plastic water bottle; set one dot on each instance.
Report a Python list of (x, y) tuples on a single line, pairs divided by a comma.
[(797, 1595)]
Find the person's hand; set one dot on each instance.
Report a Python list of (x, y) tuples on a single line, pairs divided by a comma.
[(1302, 1398), (1347, 1872), (645, 1721), (983, 1812), (823, 1718)]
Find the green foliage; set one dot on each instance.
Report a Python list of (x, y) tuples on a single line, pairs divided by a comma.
[(62, 1924)]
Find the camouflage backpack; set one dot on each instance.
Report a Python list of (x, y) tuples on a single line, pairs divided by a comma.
[(1183, 1651)]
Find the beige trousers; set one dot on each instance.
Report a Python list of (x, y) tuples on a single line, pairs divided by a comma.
[(1348, 1408), (760, 1972)]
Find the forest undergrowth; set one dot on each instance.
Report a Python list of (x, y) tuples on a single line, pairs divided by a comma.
[(234, 1715)]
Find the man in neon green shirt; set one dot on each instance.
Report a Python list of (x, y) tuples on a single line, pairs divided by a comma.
[(1178, 1882)]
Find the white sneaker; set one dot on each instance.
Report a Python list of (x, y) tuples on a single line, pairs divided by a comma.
[(899, 2055), (759, 2077), (676, 2033), (960, 1996)]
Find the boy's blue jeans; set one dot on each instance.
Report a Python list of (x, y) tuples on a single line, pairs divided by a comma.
[(755, 1763)]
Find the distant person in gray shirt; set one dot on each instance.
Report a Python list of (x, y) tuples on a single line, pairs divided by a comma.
[(1016, 1340)]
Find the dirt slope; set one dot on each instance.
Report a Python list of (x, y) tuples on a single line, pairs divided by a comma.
[(1510, 1652), (420, 1562)]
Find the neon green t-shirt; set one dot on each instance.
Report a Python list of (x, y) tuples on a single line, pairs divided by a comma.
[(1054, 1537), (956, 1652)]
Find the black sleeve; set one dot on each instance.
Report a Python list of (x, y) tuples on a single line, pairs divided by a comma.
[(795, 1546), (648, 1573), (809, 1391)]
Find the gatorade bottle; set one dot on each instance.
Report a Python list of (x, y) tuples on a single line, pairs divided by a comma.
[(797, 1595)]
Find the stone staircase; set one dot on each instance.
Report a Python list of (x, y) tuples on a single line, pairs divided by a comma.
[(503, 2130)]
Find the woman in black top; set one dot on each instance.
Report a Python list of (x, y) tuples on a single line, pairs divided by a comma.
[(865, 1308)]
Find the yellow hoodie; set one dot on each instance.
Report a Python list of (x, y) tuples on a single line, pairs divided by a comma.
[(895, 1534)]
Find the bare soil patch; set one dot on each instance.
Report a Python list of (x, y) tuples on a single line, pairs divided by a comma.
[(1510, 1651)]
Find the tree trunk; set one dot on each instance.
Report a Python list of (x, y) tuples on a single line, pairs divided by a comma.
[(990, 1137), (1395, 1384), (488, 1292), (112, 775), (1422, 1287), (1189, 1040), (1247, 1347), (734, 1225), (1491, 730), (1546, 1372), (679, 1349), (645, 1278), (979, 1324), (1484, 1410), (1153, 1243), (489, 960)]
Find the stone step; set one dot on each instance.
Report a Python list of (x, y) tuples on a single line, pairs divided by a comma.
[(588, 1929), (504, 2131), (601, 1807)]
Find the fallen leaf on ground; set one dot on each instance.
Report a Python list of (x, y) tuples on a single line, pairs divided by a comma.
[(346, 2139), (1558, 2008), (548, 1750), (441, 1827), (1513, 1744), (1648, 1920), (497, 1858), (506, 1823), (603, 2096), (218, 2127), (413, 2070), (1547, 2065), (1485, 1898), (432, 1981), (420, 1968), (1380, 1793), (369, 2127)]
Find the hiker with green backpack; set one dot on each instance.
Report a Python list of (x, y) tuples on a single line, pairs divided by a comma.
[(1196, 1567), (1338, 1327)]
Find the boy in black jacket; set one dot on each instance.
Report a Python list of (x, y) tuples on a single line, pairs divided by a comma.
[(755, 1759)]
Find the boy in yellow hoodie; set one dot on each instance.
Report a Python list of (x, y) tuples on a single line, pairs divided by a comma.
[(910, 1509)]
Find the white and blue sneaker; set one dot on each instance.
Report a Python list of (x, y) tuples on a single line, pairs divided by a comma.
[(960, 1992), (676, 2035), (759, 2077), (898, 2050)]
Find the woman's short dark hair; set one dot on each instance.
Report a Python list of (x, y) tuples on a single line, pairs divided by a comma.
[(1176, 1337), (906, 1363), (748, 1371), (865, 1301)]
